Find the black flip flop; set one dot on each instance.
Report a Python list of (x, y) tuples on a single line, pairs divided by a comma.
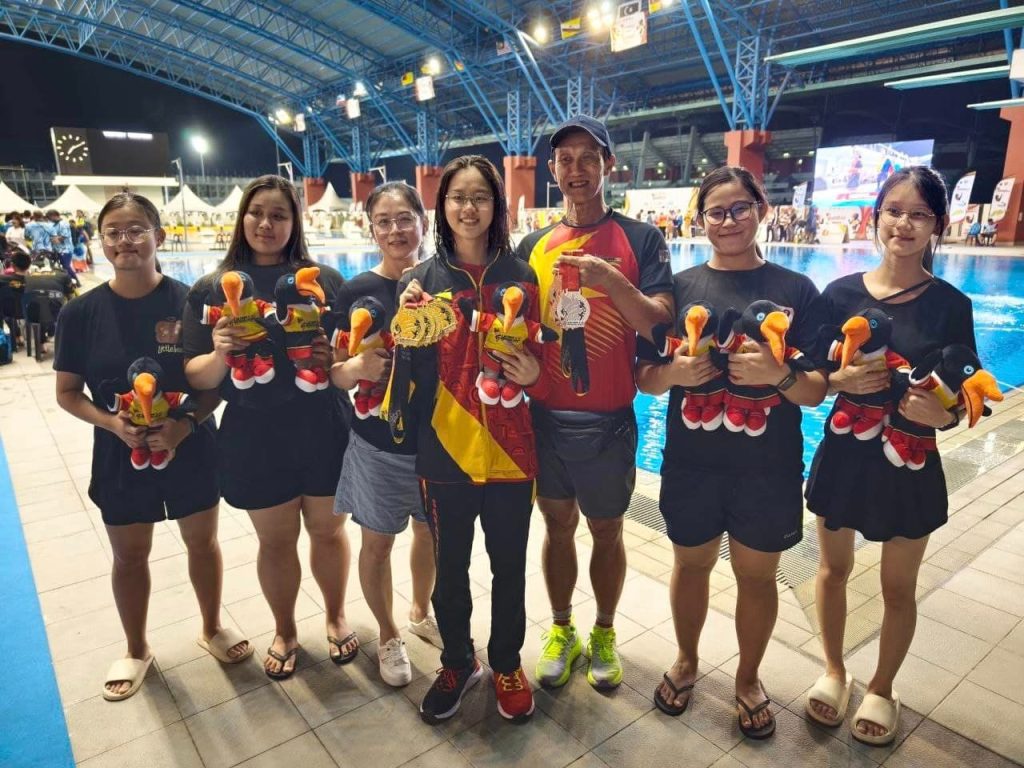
[(344, 658), (284, 659), (756, 733), (671, 709)]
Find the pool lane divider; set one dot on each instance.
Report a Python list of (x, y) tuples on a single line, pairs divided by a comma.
[(33, 731)]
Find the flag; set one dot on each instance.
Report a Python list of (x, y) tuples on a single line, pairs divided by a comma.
[(408, 78), (961, 197), (800, 195), (424, 88), (1001, 199), (629, 29), (300, 122), (572, 27)]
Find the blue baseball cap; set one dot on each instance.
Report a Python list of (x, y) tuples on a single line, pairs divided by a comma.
[(590, 125)]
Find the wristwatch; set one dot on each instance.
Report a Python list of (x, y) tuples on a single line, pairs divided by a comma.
[(787, 382), (193, 423)]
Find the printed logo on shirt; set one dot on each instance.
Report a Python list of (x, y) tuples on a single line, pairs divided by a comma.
[(168, 336), (664, 256)]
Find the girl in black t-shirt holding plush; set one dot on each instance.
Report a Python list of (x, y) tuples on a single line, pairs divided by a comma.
[(280, 447), (378, 484), (99, 335), (733, 473)]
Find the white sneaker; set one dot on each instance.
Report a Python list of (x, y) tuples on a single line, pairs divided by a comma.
[(395, 668), (428, 630)]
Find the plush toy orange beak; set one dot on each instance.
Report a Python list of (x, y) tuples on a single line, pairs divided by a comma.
[(361, 321), (979, 387), (774, 328), (696, 320), (144, 387), (231, 283), (307, 285), (857, 332), (511, 302)]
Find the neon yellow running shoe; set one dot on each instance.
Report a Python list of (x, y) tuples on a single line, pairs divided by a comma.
[(605, 670), (562, 646)]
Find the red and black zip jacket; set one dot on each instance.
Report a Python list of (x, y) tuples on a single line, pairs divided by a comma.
[(461, 440)]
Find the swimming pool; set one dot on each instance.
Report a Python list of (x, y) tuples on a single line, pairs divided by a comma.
[(995, 285)]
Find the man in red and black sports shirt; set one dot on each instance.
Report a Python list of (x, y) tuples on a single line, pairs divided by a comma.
[(584, 420)]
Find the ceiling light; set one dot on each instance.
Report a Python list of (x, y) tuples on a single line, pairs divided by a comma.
[(541, 33)]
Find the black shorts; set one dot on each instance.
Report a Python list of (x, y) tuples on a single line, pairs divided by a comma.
[(187, 485), (268, 457), (587, 456), (760, 510)]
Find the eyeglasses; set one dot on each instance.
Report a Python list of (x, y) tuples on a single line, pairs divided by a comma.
[(403, 223), (738, 211), (478, 201), (917, 219), (134, 235)]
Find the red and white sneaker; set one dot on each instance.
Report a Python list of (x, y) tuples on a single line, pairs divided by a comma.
[(160, 459), (140, 458), (263, 368), (242, 376), (515, 697)]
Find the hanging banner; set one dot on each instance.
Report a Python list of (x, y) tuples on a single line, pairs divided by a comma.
[(571, 27), (961, 198), (408, 78), (800, 195), (1001, 199), (629, 29)]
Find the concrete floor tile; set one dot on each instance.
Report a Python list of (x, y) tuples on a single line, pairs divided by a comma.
[(97, 725), (712, 712), (949, 648), (717, 639), (727, 761), (967, 615), (868, 583), (590, 715), (76, 599), (655, 741), (645, 601), (933, 746), (444, 755), (73, 637), (305, 751), (920, 683), (797, 743), (646, 658), (998, 562), (589, 760), (949, 558), (57, 527), (983, 716), (989, 590), (1014, 641), (252, 615), (785, 673), (242, 728), (205, 682), (326, 691), (170, 747), (1001, 672), (495, 743)]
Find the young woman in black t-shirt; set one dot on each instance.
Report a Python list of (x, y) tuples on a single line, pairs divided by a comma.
[(280, 447), (136, 314), (853, 486), (737, 476), (378, 484)]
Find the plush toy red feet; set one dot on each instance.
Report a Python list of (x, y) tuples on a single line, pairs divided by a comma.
[(263, 368), (140, 458), (242, 375), (752, 421), (489, 389), (906, 450), (511, 394), (704, 410), (311, 379), (160, 459)]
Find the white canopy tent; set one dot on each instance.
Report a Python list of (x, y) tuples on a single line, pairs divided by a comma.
[(73, 200), (12, 201), (193, 203), (329, 202), (230, 203)]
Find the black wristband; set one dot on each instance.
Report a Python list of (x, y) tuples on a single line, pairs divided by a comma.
[(954, 423), (193, 423), (787, 382)]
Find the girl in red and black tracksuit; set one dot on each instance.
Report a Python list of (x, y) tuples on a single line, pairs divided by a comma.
[(474, 460)]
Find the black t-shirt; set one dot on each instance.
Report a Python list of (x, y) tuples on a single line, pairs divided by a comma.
[(99, 335), (780, 448), (373, 430), (198, 338)]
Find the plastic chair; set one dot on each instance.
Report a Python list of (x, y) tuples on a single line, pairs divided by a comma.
[(40, 309)]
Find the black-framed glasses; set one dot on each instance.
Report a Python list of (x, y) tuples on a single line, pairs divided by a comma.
[(134, 235), (460, 201), (918, 219), (403, 222), (737, 211)]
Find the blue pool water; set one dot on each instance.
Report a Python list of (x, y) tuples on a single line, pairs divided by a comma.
[(995, 285)]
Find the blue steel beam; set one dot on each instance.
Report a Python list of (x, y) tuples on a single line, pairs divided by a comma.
[(738, 96), (708, 64), (1015, 89), (271, 131)]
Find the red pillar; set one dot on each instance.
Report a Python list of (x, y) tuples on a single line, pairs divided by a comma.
[(314, 189), (1010, 229), (428, 179), (520, 182), (746, 148), (362, 186)]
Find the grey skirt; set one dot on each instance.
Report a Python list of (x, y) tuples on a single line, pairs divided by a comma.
[(379, 489)]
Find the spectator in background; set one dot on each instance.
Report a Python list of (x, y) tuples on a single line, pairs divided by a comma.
[(37, 235), (15, 233), (973, 232), (988, 233), (61, 242)]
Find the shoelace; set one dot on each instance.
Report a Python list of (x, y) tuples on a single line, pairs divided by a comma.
[(391, 653), (554, 644), (447, 680), (511, 682), (604, 645)]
